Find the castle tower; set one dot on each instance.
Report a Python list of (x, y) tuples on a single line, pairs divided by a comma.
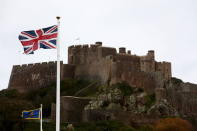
[(98, 43), (151, 54), (148, 62), (129, 52), (122, 50), (165, 68)]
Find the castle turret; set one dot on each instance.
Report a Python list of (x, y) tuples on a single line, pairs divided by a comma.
[(148, 62), (165, 68), (151, 54), (129, 52), (122, 50), (98, 43)]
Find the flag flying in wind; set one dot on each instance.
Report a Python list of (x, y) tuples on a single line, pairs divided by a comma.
[(43, 38), (31, 114)]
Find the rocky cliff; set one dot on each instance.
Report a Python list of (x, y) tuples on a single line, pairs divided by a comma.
[(107, 67)]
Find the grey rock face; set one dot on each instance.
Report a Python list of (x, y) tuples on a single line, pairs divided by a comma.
[(162, 108)]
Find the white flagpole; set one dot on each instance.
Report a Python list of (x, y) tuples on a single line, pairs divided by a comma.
[(58, 79), (41, 117)]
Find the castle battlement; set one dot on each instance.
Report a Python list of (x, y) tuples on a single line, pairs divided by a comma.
[(36, 75), (94, 62), (22, 67), (36, 64), (85, 54), (108, 66)]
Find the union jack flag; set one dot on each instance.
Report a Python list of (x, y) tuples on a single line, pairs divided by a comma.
[(43, 38)]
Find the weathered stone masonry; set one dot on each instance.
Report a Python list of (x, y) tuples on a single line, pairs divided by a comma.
[(107, 66), (39, 75), (96, 62)]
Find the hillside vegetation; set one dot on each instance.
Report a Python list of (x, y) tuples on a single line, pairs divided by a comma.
[(12, 103)]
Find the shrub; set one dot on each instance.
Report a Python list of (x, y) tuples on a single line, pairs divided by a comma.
[(145, 128), (126, 128), (47, 95), (173, 124), (103, 126), (176, 81), (192, 120), (125, 88), (11, 93), (70, 86), (150, 100), (10, 113), (105, 104), (140, 90)]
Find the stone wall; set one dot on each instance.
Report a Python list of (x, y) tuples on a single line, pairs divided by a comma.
[(71, 109), (83, 54), (148, 64), (107, 66), (123, 116), (183, 97), (39, 75), (165, 68), (97, 63), (136, 79), (104, 64), (96, 71)]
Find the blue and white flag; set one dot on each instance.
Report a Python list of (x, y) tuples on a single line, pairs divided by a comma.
[(31, 114)]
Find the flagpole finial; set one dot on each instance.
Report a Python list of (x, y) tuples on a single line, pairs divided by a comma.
[(58, 17)]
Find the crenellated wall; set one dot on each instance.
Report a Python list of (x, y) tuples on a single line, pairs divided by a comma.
[(94, 62), (106, 65), (39, 75), (83, 54), (148, 64), (165, 68)]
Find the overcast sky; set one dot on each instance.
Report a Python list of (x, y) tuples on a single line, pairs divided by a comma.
[(167, 26)]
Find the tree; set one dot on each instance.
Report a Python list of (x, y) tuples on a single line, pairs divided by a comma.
[(173, 124), (10, 112)]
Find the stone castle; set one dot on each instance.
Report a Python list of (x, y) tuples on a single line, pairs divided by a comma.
[(85, 55), (107, 66), (95, 62)]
